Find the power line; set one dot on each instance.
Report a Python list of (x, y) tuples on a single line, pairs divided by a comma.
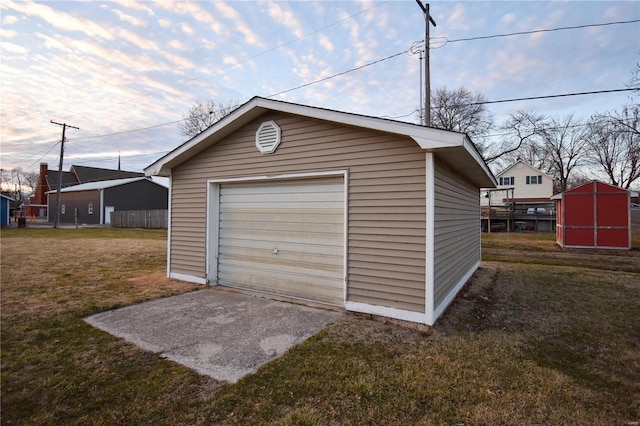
[(338, 74), (270, 96), (586, 124), (538, 31), (130, 131), (43, 155), (595, 92), (264, 52), (366, 65), (550, 96)]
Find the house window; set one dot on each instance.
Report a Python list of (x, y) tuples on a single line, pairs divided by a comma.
[(90, 208), (507, 180), (534, 180), (62, 209)]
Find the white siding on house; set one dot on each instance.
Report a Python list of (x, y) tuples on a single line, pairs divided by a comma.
[(457, 234), (521, 189)]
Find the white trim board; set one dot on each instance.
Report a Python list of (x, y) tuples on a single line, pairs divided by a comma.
[(385, 311), (188, 278)]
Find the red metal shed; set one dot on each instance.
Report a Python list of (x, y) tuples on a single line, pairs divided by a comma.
[(593, 215)]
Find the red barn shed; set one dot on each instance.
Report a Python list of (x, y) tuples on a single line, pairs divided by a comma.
[(593, 215)]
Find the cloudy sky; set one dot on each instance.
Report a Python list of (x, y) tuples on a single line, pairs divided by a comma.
[(113, 68)]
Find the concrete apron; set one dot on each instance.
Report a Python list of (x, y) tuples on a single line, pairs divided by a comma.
[(222, 334)]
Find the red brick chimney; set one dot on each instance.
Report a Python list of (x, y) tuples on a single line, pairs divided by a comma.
[(43, 187)]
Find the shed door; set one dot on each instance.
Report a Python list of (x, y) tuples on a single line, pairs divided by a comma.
[(284, 238)]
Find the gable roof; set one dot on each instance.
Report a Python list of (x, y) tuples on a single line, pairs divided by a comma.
[(520, 161), (94, 174), (68, 179), (104, 184), (578, 188), (455, 149)]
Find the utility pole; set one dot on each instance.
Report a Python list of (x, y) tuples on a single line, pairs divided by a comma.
[(427, 83), (64, 128)]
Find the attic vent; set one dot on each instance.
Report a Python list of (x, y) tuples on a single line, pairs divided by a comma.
[(268, 137)]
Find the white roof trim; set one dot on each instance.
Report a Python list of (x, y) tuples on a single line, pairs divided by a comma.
[(426, 137), (103, 184)]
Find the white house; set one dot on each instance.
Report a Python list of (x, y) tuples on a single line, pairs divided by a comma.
[(520, 183)]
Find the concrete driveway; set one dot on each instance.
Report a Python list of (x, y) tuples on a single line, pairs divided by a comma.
[(222, 334)]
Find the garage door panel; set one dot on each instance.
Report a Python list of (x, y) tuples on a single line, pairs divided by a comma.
[(278, 237), (298, 252), (307, 272), (303, 220), (282, 226), (278, 215), (319, 206), (275, 285)]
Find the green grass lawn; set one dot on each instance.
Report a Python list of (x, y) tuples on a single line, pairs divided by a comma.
[(538, 336)]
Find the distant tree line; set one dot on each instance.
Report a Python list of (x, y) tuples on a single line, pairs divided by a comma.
[(18, 183)]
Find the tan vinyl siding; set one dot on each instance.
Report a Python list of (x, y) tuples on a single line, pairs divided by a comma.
[(457, 230), (386, 201)]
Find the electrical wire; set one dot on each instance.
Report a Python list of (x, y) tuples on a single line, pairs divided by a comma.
[(339, 74), (385, 59), (43, 155), (270, 96), (595, 92), (549, 96), (539, 31), (264, 52)]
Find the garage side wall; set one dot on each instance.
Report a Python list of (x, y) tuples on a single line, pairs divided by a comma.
[(385, 201), (456, 235), (80, 200)]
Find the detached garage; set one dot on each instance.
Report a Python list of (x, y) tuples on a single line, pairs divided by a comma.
[(368, 214), (593, 215)]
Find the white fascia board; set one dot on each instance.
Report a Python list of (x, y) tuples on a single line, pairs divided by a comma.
[(472, 150), (425, 137), (159, 167)]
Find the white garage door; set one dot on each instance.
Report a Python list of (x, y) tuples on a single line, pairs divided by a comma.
[(284, 238)]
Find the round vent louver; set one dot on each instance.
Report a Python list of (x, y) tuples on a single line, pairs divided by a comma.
[(268, 137)]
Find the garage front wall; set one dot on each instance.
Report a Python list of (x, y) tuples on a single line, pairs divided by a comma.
[(385, 201)]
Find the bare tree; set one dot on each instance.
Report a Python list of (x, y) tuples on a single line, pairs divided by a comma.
[(462, 111), (202, 115), (18, 183), (523, 131), (565, 144), (614, 146)]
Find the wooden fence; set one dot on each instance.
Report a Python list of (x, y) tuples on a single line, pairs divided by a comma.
[(151, 219)]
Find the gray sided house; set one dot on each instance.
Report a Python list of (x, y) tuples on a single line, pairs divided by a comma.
[(367, 214), (93, 202)]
